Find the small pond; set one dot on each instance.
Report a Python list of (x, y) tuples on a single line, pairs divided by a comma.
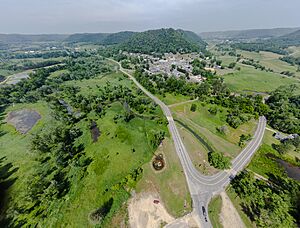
[(291, 170)]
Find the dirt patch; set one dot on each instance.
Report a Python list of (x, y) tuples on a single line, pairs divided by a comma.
[(23, 120), (229, 216), (188, 221), (14, 79), (147, 211)]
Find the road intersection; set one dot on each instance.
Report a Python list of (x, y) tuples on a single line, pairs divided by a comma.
[(203, 187)]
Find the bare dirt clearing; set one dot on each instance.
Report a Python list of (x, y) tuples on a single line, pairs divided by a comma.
[(23, 120), (146, 211), (229, 216), (14, 79)]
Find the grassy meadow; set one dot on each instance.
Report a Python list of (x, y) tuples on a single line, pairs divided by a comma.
[(205, 125), (214, 210), (121, 148), (248, 79)]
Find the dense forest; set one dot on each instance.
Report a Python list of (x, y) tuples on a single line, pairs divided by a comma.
[(274, 203), (284, 112)]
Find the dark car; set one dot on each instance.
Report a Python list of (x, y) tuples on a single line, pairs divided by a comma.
[(203, 211)]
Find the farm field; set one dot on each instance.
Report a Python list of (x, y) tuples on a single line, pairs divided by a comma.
[(272, 61), (249, 79)]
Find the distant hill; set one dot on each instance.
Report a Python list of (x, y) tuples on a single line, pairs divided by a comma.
[(274, 44), (20, 38), (163, 40), (289, 39), (100, 38), (247, 34), (86, 37)]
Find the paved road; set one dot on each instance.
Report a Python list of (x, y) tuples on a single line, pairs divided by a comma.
[(203, 187)]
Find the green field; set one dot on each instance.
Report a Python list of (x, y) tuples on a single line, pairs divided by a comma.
[(170, 99), (196, 150), (92, 86), (121, 148), (271, 60), (248, 79), (170, 182), (214, 210), (206, 124)]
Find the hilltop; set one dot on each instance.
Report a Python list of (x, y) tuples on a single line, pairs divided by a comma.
[(164, 40)]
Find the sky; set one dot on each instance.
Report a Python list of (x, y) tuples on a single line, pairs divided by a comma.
[(77, 16)]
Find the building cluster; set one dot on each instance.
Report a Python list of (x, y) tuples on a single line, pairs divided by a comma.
[(172, 65), (282, 137)]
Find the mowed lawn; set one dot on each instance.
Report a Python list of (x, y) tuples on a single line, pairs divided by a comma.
[(250, 79)]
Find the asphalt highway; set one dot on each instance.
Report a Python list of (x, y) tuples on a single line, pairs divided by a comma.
[(203, 187)]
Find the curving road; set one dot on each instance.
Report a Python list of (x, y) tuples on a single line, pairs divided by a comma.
[(203, 187)]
